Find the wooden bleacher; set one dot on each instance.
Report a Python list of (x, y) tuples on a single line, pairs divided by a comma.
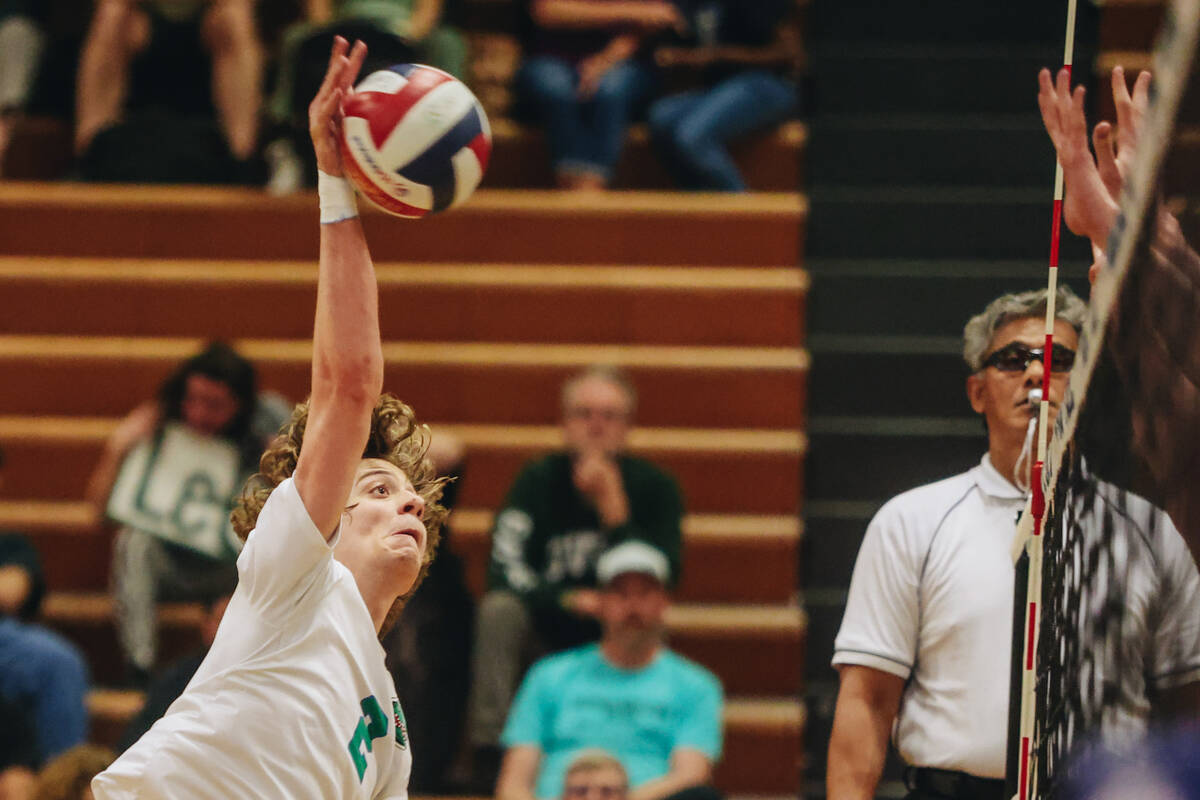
[(103, 289)]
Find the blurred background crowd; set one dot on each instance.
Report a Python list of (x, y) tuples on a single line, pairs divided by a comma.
[(216, 91)]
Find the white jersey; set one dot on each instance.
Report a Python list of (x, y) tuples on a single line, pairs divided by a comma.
[(293, 700), (931, 601)]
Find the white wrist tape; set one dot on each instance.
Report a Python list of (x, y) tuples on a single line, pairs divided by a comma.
[(337, 198)]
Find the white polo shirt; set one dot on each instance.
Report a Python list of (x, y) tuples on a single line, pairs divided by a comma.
[(293, 699), (931, 601)]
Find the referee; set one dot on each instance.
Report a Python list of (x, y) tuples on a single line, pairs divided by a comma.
[(923, 653)]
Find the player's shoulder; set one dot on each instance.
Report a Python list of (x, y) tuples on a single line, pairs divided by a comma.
[(282, 505)]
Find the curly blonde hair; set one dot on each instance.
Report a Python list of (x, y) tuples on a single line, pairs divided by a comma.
[(395, 437)]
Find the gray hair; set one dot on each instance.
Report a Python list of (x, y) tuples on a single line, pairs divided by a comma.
[(605, 372), (978, 333)]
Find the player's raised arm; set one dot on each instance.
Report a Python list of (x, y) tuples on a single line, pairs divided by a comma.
[(347, 370)]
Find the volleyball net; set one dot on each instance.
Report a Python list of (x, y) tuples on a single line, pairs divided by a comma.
[(1098, 587)]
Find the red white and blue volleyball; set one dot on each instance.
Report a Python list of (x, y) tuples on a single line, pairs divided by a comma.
[(415, 141)]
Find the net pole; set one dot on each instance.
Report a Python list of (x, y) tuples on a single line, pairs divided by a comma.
[(1026, 783)]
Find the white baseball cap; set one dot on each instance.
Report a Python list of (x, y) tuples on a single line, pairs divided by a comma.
[(633, 556)]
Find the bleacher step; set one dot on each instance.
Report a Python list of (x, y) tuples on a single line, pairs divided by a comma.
[(751, 648), (893, 149), (729, 558), (563, 303), (936, 222), (462, 381), (498, 225), (51, 458)]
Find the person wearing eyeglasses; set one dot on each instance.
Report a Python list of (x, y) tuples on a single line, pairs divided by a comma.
[(564, 509), (923, 653)]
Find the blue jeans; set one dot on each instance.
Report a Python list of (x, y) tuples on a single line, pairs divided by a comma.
[(585, 136), (45, 674), (691, 130)]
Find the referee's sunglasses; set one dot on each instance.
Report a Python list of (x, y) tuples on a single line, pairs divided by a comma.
[(1016, 357)]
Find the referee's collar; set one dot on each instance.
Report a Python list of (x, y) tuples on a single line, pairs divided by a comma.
[(994, 484)]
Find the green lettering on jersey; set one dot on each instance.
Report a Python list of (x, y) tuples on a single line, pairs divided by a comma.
[(374, 716), (360, 745), (401, 726), (372, 725)]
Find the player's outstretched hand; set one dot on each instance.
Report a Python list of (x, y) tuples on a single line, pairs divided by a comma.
[(1114, 155), (325, 111), (1089, 208)]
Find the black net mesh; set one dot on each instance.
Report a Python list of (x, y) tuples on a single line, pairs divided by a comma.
[(1124, 469)]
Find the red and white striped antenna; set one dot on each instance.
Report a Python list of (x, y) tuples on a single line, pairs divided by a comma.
[(1026, 780)]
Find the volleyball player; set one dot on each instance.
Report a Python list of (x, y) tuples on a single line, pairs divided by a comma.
[(294, 699)]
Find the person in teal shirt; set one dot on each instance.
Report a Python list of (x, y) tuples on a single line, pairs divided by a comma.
[(657, 712)]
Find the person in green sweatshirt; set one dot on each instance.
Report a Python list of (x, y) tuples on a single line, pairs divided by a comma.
[(563, 512)]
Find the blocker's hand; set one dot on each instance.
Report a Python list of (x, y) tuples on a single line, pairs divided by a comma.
[(325, 111), (1089, 209)]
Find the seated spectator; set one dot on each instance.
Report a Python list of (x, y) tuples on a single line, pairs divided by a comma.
[(583, 79), (595, 775), (168, 474), (395, 31), (170, 683), (657, 712), (745, 56), (562, 512), (43, 677), (21, 43), (427, 649), (180, 59), (69, 776)]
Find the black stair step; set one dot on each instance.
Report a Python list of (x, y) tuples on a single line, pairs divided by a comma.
[(830, 545), (866, 466), (824, 611), (917, 297), (982, 150), (903, 382), (933, 21), (935, 222), (918, 79)]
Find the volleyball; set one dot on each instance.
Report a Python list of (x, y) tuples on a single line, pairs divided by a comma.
[(415, 141)]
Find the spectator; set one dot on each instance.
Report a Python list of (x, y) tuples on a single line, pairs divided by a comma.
[(427, 650), (151, 54), (68, 776), (168, 475), (583, 79), (747, 56), (21, 43), (595, 775), (657, 712), (171, 682), (924, 651), (396, 31), (43, 677), (561, 513)]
